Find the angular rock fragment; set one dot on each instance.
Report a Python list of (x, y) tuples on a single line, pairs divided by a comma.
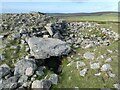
[(83, 72), (41, 84), (97, 74), (22, 65), (23, 79), (4, 70), (42, 48), (117, 86), (49, 29), (10, 83), (40, 71), (106, 67), (108, 60), (54, 78), (111, 74)]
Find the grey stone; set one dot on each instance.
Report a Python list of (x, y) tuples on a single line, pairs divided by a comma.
[(80, 64), (10, 83), (54, 78), (45, 36), (29, 71), (97, 74), (110, 51), (42, 48), (49, 29), (117, 86), (16, 35), (32, 79), (22, 65), (89, 55), (4, 70), (95, 66), (23, 79), (2, 57), (57, 35), (36, 84), (86, 44), (40, 71), (1, 36), (27, 84), (108, 60), (106, 67), (111, 74), (83, 72), (45, 84)]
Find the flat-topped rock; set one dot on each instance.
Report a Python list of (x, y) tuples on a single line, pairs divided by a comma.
[(42, 48)]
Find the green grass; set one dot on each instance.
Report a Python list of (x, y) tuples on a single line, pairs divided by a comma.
[(89, 81), (110, 17), (11, 54)]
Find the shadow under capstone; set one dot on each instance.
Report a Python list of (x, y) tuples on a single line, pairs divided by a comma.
[(54, 64)]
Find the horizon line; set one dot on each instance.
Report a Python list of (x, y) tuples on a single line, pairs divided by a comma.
[(60, 12)]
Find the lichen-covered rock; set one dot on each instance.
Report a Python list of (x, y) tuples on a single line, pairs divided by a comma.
[(22, 65), (42, 48)]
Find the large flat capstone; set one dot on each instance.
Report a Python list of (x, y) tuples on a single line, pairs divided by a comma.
[(42, 48)]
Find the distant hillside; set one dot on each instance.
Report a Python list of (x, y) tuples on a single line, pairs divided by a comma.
[(97, 16), (81, 14)]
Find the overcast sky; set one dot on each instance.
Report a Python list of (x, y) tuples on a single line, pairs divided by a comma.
[(58, 6)]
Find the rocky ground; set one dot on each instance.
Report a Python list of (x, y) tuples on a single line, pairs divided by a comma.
[(39, 51)]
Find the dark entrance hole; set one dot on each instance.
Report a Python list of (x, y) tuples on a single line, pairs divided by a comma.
[(54, 64)]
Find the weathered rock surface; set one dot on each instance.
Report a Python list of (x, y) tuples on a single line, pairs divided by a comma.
[(22, 65), (54, 78), (23, 79), (41, 84), (4, 70), (10, 83), (106, 67), (95, 66), (89, 55), (42, 48), (40, 71), (83, 72)]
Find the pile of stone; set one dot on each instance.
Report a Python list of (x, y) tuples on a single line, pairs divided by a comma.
[(88, 35), (26, 70), (42, 39), (24, 75)]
